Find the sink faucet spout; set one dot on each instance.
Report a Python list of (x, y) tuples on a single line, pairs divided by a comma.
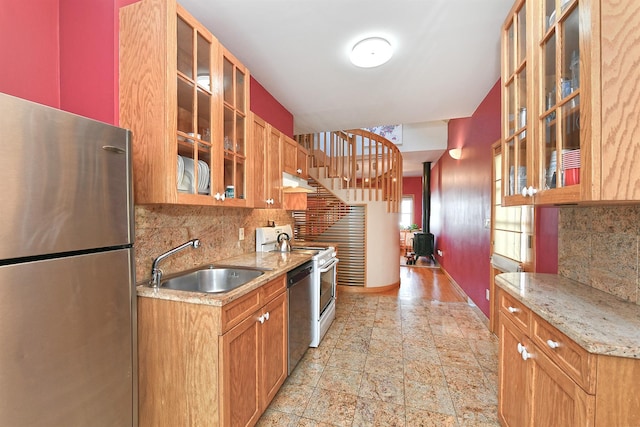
[(156, 273)]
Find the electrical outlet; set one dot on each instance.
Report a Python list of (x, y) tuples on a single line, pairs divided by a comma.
[(241, 234), (486, 294), (487, 223)]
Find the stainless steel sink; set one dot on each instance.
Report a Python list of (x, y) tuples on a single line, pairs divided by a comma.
[(211, 279)]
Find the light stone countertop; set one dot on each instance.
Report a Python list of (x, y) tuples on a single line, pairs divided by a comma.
[(274, 264), (597, 321)]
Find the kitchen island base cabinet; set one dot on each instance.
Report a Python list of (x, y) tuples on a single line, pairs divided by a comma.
[(206, 365), (547, 379)]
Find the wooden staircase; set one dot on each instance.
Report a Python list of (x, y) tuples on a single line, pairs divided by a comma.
[(354, 172)]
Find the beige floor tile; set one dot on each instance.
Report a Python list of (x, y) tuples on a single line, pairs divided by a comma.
[(347, 360), (292, 398), (332, 407), (386, 388), (273, 418), (306, 373), (434, 398), (373, 413), (342, 380), (390, 364), (421, 418), (387, 361)]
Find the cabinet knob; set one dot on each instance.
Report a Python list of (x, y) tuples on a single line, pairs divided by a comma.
[(261, 319), (299, 170), (525, 354), (520, 348), (552, 344), (530, 191), (219, 196), (266, 316), (512, 309)]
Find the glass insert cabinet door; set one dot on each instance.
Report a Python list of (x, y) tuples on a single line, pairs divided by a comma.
[(194, 110), (514, 90), (560, 94), (235, 94)]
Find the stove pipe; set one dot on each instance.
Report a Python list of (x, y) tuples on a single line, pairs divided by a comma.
[(426, 196)]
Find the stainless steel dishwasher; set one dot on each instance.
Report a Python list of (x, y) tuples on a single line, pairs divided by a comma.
[(299, 288)]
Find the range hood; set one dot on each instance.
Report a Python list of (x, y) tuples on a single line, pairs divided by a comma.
[(295, 184)]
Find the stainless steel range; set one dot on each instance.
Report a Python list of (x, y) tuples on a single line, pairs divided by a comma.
[(323, 301)]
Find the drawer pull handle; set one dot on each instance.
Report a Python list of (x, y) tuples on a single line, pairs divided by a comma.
[(520, 348), (512, 309), (552, 344), (525, 354)]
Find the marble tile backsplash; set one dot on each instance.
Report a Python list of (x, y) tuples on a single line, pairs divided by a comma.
[(599, 245), (159, 228)]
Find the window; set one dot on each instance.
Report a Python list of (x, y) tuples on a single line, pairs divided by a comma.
[(406, 211)]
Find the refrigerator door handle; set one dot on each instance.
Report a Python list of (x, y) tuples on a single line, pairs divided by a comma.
[(114, 149)]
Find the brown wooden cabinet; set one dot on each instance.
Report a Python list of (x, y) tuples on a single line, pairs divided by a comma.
[(567, 136), (267, 167), (182, 94), (203, 365), (547, 379), (294, 158)]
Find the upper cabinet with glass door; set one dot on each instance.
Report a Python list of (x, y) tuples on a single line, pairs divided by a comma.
[(582, 133), (559, 119), (235, 107), (185, 98), (517, 135)]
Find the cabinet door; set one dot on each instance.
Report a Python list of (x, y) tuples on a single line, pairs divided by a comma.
[(559, 146), (273, 334), (274, 168), (556, 399), (303, 162), (239, 377), (289, 155), (235, 108), (259, 193), (516, 134), (513, 395)]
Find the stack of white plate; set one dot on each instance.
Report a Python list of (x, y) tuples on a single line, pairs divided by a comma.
[(186, 173), (203, 177)]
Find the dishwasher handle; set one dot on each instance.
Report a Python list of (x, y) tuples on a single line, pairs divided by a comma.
[(298, 274)]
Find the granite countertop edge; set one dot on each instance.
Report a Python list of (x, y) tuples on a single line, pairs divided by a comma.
[(599, 322), (273, 264)]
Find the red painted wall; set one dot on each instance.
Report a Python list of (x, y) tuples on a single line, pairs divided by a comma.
[(267, 107), (88, 55), (461, 201), (412, 185), (29, 50), (546, 219)]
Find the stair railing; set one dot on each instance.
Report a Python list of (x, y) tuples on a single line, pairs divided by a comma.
[(358, 160)]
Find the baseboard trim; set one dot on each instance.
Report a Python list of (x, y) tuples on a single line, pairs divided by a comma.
[(364, 290), (483, 318)]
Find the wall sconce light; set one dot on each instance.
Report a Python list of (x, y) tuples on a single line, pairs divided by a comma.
[(456, 153)]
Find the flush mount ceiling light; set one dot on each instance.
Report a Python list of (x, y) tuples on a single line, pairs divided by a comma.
[(371, 52)]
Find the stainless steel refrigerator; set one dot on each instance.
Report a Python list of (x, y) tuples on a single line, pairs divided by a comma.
[(67, 285)]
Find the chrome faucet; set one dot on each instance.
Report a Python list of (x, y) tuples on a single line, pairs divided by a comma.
[(156, 273)]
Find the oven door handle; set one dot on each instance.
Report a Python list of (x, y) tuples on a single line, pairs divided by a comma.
[(329, 266)]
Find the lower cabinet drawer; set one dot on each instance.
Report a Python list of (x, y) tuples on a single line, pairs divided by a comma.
[(579, 364), (514, 310)]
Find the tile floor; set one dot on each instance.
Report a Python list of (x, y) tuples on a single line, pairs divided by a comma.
[(390, 361)]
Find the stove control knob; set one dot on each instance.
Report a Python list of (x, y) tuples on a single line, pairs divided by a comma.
[(322, 261)]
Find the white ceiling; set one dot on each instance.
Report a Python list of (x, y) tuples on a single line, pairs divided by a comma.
[(446, 58)]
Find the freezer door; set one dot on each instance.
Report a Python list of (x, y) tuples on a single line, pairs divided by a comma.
[(68, 342), (66, 181)]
